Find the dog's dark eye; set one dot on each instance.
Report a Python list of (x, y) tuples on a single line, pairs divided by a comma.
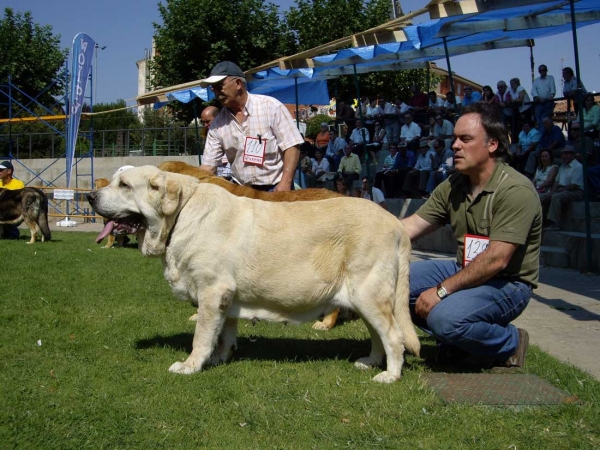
[(122, 184)]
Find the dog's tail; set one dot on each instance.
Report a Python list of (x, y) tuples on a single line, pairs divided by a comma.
[(401, 306), (43, 217)]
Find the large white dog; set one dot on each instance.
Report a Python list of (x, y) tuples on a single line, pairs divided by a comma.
[(240, 258)]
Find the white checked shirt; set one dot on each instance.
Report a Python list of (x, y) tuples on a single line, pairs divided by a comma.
[(544, 88), (262, 115)]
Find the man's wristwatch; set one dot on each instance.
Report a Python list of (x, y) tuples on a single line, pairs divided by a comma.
[(441, 291)]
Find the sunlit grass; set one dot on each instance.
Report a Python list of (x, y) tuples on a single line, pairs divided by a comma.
[(87, 336)]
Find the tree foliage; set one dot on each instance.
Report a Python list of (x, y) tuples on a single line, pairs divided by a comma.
[(317, 22), (32, 56), (196, 34)]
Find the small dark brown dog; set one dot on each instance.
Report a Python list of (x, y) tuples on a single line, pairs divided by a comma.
[(120, 238), (244, 191)]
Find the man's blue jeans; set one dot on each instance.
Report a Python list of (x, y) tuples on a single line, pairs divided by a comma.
[(476, 320)]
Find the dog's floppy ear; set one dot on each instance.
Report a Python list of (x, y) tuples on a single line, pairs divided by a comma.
[(169, 192)]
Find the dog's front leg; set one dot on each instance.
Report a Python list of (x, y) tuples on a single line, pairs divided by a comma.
[(211, 317), (227, 342)]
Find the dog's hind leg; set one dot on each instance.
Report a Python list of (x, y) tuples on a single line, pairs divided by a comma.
[(328, 321), (212, 307), (33, 230), (387, 338)]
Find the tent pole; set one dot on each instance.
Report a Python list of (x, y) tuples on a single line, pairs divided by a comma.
[(449, 67), (360, 115), (532, 60), (297, 103), (198, 148), (298, 126), (579, 99)]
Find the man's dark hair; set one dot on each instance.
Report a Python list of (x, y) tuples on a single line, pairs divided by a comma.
[(440, 142), (493, 124), (568, 70)]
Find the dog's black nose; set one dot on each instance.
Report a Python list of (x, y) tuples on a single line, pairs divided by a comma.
[(91, 197)]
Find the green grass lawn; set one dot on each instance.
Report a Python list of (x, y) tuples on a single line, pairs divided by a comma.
[(109, 329)]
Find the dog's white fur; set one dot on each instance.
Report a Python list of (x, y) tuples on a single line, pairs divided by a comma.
[(240, 258)]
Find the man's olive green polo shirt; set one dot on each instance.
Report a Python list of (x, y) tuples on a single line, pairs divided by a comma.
[(508, 209)]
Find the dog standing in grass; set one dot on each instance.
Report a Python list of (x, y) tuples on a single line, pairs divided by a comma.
[(29, 205), (239, 258), (183, 168)]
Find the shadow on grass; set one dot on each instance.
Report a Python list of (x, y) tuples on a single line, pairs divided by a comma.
[(273, 349), (303, 350)]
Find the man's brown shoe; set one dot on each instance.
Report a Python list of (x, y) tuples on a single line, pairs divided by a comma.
[(518, 359)]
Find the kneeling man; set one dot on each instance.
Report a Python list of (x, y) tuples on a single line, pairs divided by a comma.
[(496, 218)]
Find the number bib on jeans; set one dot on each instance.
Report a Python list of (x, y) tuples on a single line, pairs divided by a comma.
[(474, 245), (254, 150)]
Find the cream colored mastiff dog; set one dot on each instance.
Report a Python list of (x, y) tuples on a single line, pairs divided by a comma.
[(240, 258)]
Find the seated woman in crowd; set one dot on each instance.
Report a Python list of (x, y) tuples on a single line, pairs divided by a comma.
[(591, 116), (341, 187), (546, 171)]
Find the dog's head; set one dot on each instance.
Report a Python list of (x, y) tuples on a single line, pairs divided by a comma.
[(147, 198)]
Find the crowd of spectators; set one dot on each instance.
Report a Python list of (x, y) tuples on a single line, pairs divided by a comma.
[(416, 135)]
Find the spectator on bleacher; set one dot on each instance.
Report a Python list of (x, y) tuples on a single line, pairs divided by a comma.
[(388, 163), (521, 107), (419, 102), (345, 115), (349, 167), (488, 96), (307, 178), (445, 164), (417, 177), (577, 140), (435, 103), (378, 196), (552, 139), (410, 132), (503, 95), (591, 116), (394, 178), (335, 149), (543, 92), (387, 112), (452, 104), (441, 128), (320, 165), (572, 89), (567, 188), (529, 138), (379, 142), (370, 116), (322, 138), (359, 137), (470, 96), (546, 172), (341, 187)]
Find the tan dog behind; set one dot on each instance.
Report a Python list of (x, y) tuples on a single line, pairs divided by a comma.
[(240, 258), (244, 191)]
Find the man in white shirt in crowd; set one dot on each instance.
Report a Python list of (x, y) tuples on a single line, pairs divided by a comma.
[(567, 188), (543, 92), (335, 149), (410, 132), (377, 194), (388, 113)]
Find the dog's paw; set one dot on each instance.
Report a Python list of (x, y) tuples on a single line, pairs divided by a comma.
[(322, 326), (385, 377), (193, 318), (365, 363), (182, 368)]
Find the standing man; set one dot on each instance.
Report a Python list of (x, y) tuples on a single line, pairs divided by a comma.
[(7, 181), (573, 89), (543, 92), (255, 132), (496, 218)]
